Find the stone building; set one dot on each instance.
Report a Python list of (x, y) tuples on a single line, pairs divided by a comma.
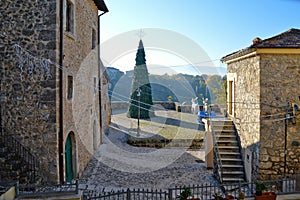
[(263, 98), (105, 100), (50, 81)]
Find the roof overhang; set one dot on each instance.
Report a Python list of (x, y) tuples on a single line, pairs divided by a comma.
[(257, 51), (101, 5), (232, 59)]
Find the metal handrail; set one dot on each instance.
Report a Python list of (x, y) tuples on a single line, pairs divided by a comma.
[(15, 146), (47, 189), (218, 170), (204, 191)]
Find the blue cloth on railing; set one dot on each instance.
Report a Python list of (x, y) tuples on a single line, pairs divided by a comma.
[(203, 114)]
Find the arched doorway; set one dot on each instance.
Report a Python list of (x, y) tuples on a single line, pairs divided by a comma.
[(70, 157)]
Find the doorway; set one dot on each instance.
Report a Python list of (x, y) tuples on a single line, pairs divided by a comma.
[(70, 157)]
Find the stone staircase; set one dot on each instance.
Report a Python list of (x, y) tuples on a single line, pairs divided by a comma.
[(13, 166), (228, 147)]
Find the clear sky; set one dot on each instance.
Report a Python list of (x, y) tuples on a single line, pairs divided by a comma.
[(219, 27)]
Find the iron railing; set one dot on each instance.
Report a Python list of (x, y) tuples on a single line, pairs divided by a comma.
[(129, 194), (218, 170), (203, 192), (24, 153), (46, 189)]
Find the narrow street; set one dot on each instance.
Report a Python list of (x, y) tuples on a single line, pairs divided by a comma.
[(117, 165)]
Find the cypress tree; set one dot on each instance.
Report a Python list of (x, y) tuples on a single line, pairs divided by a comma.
[(140, 82)]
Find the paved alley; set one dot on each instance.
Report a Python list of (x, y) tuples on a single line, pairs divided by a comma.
[(117, 165)]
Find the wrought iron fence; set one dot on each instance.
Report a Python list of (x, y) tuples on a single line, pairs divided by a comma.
[(128, 194), (46, 189), (201, 192), (205, 191)]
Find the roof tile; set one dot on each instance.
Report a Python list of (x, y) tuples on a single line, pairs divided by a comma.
[(287, 39)]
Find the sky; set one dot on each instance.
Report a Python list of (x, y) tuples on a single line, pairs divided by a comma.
[(218, 27)]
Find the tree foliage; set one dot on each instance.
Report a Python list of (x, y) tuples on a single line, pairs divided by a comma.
[(181, 87), (140, 83)]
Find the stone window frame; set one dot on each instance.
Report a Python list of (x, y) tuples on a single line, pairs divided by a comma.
[(94, 38), (95, 85), (231, 80), (70, 19), (70, 87)]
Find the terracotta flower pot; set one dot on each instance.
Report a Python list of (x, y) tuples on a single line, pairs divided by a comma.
[(228, 196), (266, 196)]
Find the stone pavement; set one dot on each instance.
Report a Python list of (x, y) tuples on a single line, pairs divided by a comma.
[(117, 165)]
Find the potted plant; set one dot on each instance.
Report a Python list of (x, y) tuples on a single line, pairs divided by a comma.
[(262, 194), (186, 194), (229, 196), (241, 196), (218, 197)]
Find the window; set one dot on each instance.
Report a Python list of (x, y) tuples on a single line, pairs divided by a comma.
[(230, 98), (95, 85), (69, 16), (70, 87), (93, 38)]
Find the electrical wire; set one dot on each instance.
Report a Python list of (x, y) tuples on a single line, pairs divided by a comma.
[(122, 97)]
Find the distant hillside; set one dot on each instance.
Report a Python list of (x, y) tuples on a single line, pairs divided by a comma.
[(181, 87)]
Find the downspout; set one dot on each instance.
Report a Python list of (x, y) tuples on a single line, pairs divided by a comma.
[(60, 132), (1, 101), (99, 72)]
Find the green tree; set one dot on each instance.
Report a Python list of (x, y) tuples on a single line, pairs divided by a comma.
[(140, 83), (218, 86)]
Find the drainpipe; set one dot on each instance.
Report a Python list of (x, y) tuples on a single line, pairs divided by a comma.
[(60, 132), (1, 101), (99, 72)]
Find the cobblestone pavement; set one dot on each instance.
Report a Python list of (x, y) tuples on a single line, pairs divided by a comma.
[(117, 165)]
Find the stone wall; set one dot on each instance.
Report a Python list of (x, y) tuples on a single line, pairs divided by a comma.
[(263, 87), (81, 112), (31, 109), (245, 76), (119, 105), (105, 105), (29, 90), (280, 76)]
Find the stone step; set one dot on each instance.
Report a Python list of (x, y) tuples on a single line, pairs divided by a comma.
[(228, 149), (218, 130), (224, 136), (224, 132), (233, 173), (221, 122), (232, 167), (230, 154), (233, 180), (237, 175), (227, 142), (231, 161)]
